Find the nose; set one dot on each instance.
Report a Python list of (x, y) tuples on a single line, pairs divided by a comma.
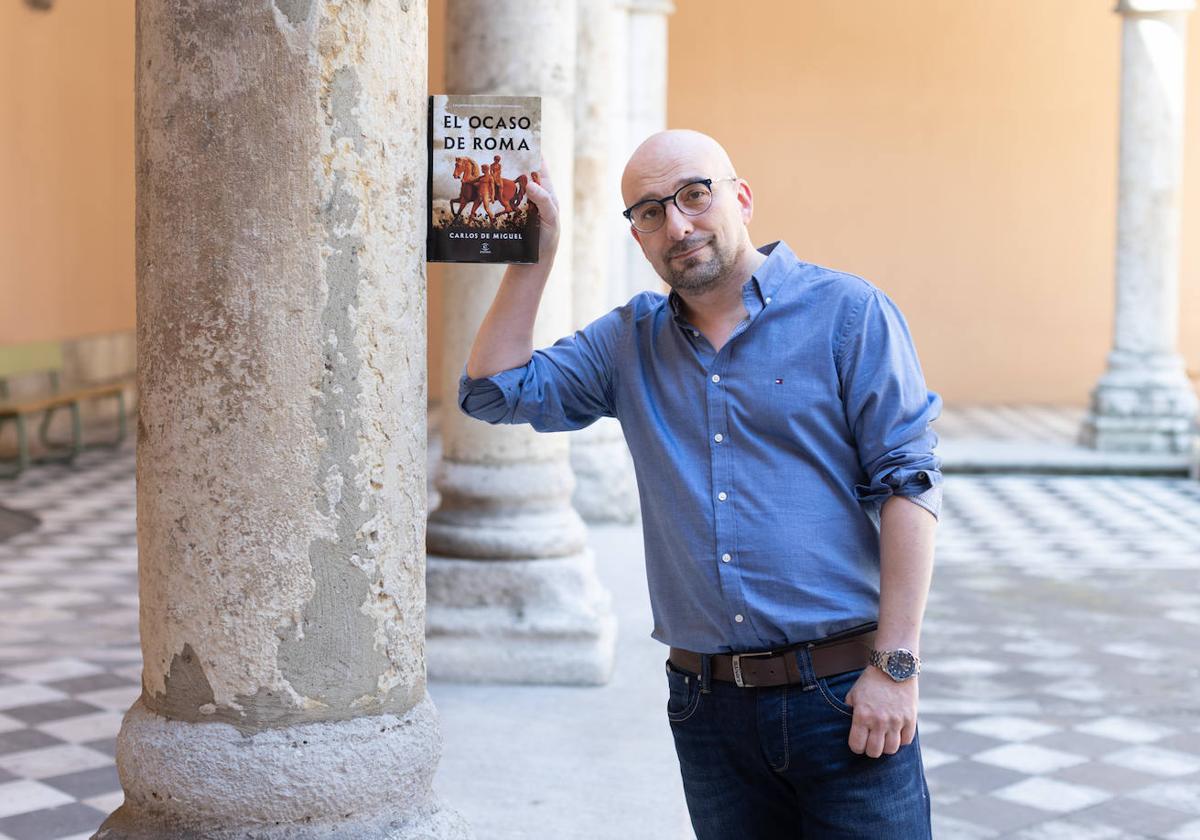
[(678, 224)]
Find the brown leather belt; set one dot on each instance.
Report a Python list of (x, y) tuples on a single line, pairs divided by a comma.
[(778, 667)]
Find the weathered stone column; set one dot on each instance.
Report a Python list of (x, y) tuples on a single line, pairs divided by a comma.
[(280, 463), (640, 68), (513, 594), (605, 488), (1144, 401)]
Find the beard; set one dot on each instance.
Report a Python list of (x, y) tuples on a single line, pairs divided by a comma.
[(696, 273)]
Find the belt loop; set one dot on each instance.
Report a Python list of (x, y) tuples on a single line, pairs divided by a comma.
[(706, 673), (808, 679)]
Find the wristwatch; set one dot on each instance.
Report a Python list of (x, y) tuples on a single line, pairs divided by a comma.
[(900, 664)]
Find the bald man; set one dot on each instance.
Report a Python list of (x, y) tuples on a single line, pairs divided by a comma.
[(779, 424)]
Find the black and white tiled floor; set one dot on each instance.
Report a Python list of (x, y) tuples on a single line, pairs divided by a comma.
[(70, 664), (1060, 696)]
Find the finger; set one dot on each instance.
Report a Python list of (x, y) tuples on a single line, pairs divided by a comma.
[(908, 733), (543, 200), (858, 737), (891, 741), (875, 743), (544, 174)]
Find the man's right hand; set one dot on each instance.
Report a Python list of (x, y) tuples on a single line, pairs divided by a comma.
[(542, 195)]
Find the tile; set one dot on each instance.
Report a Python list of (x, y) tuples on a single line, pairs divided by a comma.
[(8, 724), (933, 759), (1187, 831), (1155, 760), (1127, 729), (1137, 816), (1028, 758), (84, 783), (107, 802), (1177, 795), (52, 761), (1052, 795), (20, 740), (26, 795), (1007, 728), (1070, 830), (1119, 781), (113, 699), (56, 710), (91, 727), (55, 669), (995, 814), (23, 694), (52, 823), (969, 778), (95, 682)]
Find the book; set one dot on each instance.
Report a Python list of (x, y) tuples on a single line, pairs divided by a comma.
[(483, 152)]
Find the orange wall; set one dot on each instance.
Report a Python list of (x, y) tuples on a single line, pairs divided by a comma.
[(960, 155), (66, 170)]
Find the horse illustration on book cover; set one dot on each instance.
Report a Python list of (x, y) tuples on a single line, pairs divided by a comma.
[(483, 152)]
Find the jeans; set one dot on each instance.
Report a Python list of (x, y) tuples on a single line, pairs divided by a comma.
[(774, 763)]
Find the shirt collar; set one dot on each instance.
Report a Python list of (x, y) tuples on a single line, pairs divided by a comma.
[(765, 281)]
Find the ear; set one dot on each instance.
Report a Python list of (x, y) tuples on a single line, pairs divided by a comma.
[(636, 238), (745, 198)]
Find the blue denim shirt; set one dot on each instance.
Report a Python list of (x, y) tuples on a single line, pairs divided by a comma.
[(761, 468)]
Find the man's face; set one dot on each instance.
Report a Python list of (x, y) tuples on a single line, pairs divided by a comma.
[(691, 253)]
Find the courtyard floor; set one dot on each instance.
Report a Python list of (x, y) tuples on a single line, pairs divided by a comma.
[(1060, 696)]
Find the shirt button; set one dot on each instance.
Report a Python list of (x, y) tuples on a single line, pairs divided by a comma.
[(718, 437), (738, 618), (722, 496), (922, 475), (768, 300), (716, 377), (725, 558), (695, 332)]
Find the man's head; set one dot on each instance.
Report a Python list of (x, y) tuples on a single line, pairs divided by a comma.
[(692, 253)]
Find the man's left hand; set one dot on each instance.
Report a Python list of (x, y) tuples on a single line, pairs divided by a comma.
[(885, 713)]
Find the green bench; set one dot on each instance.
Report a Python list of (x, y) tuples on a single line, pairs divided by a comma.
[(45, 359)]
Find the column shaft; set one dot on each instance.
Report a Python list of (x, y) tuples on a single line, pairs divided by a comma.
[(281, 433), (513, 595), (1144, 401), (605, 488)]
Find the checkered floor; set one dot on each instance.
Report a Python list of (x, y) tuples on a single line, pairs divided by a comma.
[(70, 664), (1059, 699)]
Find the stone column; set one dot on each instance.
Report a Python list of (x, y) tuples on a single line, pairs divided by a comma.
[(280, 475), (605, 488), (513, 593), (640, 67), (1144, 402)]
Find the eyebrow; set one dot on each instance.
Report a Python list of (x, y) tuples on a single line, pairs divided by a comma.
[(682, 182)]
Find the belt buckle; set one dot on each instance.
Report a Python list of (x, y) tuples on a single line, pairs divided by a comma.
[(737, 667)]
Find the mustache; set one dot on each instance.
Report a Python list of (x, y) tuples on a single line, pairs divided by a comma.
[(684, 247)]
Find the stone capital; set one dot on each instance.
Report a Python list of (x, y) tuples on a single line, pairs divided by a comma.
[(1150, 7)]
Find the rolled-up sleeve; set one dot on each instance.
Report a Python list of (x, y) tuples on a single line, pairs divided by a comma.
[(888, 408), (564, 387)]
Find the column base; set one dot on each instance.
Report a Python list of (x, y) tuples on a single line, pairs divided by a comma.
[(544, 621), (1143, 403), (605, 486), (368, 778)]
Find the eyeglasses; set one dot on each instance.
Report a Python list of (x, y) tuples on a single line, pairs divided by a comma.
[(690, 199)]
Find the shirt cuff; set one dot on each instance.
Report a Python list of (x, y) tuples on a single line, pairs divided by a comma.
[(483, 397), (922, 486)]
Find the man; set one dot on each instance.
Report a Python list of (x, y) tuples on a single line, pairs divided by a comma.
[(779, 424)]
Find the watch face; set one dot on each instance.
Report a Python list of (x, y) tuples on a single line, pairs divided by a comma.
[(901, 664)]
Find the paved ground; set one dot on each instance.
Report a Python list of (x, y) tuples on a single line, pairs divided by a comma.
[(1059, 700)]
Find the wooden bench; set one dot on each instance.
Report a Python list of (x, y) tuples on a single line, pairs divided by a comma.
[(45, 359)]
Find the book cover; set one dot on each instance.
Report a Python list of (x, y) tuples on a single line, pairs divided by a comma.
[(483, 151)]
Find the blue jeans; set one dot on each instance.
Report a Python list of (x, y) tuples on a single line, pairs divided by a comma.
[(774, 763)]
